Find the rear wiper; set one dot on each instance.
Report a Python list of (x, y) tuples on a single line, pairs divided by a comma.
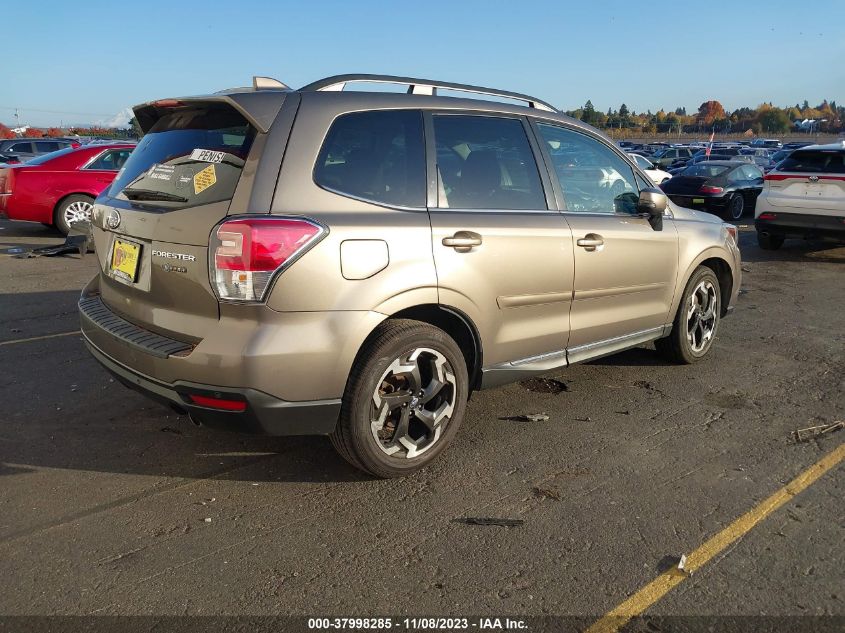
[(151, 194)]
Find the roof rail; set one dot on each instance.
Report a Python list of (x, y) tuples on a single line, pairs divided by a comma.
[(422, 86)]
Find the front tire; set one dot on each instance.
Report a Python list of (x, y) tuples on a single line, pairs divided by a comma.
[(404, 399), (696, 322), (73, 209), (769, 242)]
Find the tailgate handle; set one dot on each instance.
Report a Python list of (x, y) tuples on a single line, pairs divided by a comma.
[(462, 241)]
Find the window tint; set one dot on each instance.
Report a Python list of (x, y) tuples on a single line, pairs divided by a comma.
[(191, 156), (111, 160), (814, 161), (485, 163), (46, 146), (751, 173), (594, 178), (705, 170), (378, 156), (20, 147)]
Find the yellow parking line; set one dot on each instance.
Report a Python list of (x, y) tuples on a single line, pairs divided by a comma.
[(663, 584), (38, 338)]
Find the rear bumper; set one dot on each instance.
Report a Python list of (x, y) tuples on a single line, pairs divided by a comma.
[(710, 204), (263, 413), (803, 225)]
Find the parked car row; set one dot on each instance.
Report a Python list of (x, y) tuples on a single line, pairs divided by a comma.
[(59, 188)]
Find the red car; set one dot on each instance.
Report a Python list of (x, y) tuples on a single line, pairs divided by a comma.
[(59, 188)]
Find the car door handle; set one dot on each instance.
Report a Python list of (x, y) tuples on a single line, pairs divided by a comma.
[(590, 242), (462, 241)]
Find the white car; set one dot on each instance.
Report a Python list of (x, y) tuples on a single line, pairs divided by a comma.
[(657, 175), (804, 196)]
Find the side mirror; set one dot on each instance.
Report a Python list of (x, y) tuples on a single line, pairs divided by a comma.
[(652, 204)]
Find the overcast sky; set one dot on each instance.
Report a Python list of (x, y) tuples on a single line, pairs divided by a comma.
[(81, 62)]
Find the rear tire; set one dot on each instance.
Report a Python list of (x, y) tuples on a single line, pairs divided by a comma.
[(404, 399), (769, 242), (72, 209), (735, 208), (696, 321)]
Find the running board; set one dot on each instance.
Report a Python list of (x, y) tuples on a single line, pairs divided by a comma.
[(516, 370)]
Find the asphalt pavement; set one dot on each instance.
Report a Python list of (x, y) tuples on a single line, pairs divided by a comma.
[(111, 504)]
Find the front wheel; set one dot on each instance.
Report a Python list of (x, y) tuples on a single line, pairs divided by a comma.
[(404, 399), (696, 322), (73, 209)]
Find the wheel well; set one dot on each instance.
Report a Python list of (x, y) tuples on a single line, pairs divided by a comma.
[(459, 327), (65, 197), (722, 270)]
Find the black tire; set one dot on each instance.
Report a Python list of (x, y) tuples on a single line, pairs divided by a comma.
[(354, 438), (676, 347), (769, 242), (735, 208), (59, 215)]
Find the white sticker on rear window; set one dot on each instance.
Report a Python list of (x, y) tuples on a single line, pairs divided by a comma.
[(208, 156), (161, 172)]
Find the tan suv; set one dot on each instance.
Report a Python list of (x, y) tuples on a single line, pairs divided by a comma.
[(354, 264)]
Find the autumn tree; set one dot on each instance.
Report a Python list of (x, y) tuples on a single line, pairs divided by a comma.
[(6, 133), (54, 132), (34, 132), (709, 112)]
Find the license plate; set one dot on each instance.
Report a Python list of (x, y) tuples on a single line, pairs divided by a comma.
[(698, 200), (124, 260)]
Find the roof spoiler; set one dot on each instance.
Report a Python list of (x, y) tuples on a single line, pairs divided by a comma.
[(259, 106)]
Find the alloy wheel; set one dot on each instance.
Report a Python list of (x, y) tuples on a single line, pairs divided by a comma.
[(78, 211), (413, 402), (702, 313)]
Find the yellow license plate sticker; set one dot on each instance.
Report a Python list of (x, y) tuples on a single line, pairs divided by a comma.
[(124, 260), (698, 200)]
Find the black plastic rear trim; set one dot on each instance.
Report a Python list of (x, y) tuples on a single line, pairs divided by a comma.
[(96, 312)]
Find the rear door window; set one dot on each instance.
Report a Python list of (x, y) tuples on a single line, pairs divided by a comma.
[(191, 156), (46, 146), (378, 156), (485, 162), (814, 162)]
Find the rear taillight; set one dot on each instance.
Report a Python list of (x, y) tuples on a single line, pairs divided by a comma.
[(767, 216), (246, 254), (710, 189)]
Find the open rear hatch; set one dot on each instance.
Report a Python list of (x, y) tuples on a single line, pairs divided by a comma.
[(152, 226)]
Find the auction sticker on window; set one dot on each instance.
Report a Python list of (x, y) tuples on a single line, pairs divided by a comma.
[(208, 156), (204, 179)]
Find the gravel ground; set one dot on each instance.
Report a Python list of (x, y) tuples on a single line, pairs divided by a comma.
[(111, 504)]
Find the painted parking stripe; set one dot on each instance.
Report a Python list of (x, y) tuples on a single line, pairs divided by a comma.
[(38, 338), (663, 584)]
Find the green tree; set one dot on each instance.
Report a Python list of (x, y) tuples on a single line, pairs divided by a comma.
[(774, 120), (623, 111)]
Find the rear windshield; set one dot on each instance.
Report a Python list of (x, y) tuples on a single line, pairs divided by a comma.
[(705, 170), (190, 157), (40, 160), (814, 162)]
